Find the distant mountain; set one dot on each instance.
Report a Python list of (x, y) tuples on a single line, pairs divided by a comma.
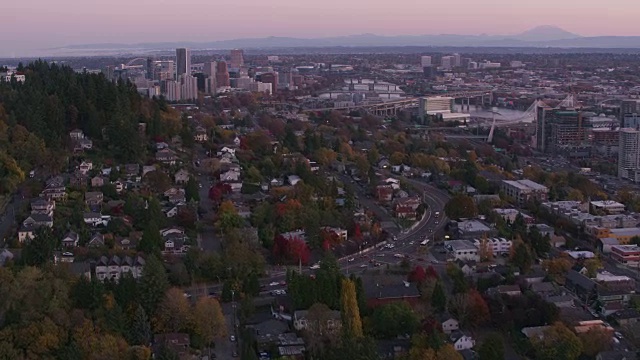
[(541, 36), (545, 33)]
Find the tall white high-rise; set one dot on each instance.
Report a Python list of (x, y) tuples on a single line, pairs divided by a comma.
[(447, 62), (457, 60), (629, 154), (173, 90), (189, 87), (425, 61), (183, 62)]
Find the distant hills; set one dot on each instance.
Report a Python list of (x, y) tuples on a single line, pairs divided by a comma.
[(541, 36)]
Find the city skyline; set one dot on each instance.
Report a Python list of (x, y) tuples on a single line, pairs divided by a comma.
[(97, 23)]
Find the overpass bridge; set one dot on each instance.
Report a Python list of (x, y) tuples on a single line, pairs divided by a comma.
[(392, 107)]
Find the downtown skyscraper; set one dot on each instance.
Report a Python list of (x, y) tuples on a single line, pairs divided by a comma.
[(183, 62)]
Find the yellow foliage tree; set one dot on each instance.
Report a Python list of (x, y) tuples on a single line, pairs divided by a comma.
[(173, 314), (208, 320), (351, 321)]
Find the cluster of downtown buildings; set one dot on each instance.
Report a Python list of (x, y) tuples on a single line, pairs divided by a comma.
[(179, 79)]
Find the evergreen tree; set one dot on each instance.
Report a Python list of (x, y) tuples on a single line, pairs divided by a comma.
[(191, 189), (151, 242), (438, 298), (251, 285), (153, 284), (140, 328), (492, 348)]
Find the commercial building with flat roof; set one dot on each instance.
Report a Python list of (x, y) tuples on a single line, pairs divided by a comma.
[(623, 235), (462, 249), (523, 191), (608, 206), (626, 254)]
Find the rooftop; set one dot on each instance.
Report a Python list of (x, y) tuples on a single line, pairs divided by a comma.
[(626, 248), (460, 245), (526, 185), (472, 226), (631, 232)]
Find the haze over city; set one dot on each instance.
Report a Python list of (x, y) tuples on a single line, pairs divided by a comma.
[(78, 22)]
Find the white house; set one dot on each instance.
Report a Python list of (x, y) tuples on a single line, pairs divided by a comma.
[(461, 341), (231, 175), (92, 219), (293, 179), (449, 323), (115, 267)]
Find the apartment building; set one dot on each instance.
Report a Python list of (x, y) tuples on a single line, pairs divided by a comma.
[(523, 191)]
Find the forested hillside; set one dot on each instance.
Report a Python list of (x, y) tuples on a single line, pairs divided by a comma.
[(37, 115)]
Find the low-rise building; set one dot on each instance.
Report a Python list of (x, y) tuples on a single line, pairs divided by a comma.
[(470, 229), (607, 207), (462, 250), (523, 191), (301, 322), (623, 235), (626, 254), (115, 267), (498, 246), (510, 215)]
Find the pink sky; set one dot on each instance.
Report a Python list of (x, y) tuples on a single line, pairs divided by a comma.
[(28, 25)]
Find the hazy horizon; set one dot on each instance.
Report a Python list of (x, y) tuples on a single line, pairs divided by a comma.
[(29, 27)]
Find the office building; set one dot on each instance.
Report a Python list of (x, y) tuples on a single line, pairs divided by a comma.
[(183, 62), (631, 121), (164, 70), (270, 78), (447, 62), (237, 58), (284, 79), (209, 68), (523, 191), (425, 61), (457, 60), (150, 69), (562, 131), (630, 106), (629, 154), (222, 75), (428, 72)]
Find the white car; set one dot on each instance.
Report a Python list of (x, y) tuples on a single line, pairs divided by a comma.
[(400, 256), (351, 259), (363, 265), (314, 267), (275, 283)]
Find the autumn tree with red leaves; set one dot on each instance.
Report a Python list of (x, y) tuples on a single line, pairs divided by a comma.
[(291, 251), (417, 275)]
